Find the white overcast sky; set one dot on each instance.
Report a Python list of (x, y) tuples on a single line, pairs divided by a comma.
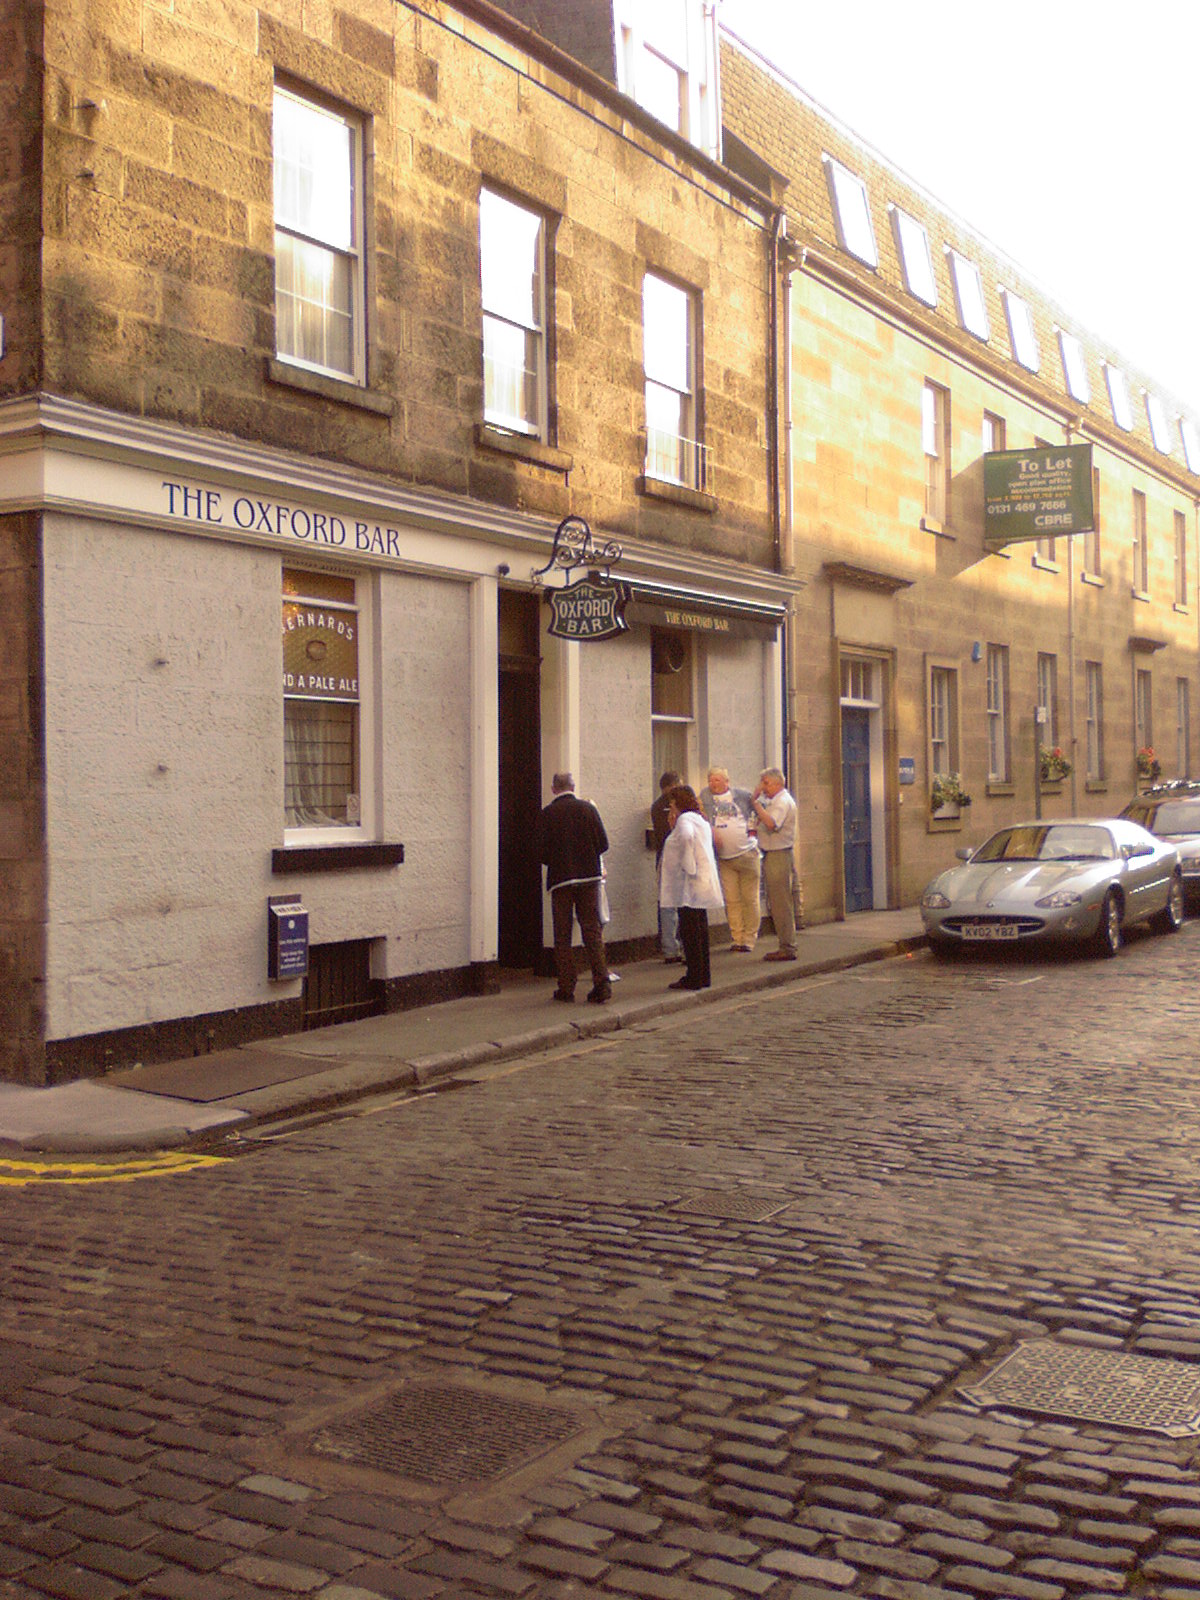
[(1067, 133)]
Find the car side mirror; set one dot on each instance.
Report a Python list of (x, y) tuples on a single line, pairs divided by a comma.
[(964, 852)]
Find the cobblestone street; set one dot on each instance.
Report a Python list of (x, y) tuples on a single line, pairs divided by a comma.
[(684, 1312)]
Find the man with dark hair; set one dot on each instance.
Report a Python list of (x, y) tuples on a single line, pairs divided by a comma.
[(571, 840), (668, 916)]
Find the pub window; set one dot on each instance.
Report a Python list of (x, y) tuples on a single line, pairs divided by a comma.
[(672, 700), (319, 296), (321, 701)]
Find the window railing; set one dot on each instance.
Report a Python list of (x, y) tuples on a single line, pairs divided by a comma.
[(510, 395), (670, 458)]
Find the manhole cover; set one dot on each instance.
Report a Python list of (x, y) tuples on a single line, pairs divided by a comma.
[(445, 1434), (735, 1205), (1147, 1393)]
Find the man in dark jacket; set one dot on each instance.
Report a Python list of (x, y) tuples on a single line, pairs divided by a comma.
[(571, 840)]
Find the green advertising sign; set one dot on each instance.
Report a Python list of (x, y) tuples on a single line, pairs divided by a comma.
[(1036, 494)]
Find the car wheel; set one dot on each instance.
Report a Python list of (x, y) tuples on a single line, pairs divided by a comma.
[(1170, 918), (1108, 934)]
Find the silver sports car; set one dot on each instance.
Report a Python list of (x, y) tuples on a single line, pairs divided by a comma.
[(1079, 879)]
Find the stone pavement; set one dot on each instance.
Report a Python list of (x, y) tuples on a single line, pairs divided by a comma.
[(178, 1103), (705, 1307)]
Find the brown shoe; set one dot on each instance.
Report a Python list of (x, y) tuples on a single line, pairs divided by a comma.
[(780, 955)]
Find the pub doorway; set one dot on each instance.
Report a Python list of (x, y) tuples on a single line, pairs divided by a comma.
[(519, 941)]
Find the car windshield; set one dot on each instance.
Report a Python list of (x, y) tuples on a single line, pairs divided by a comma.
[(1175, 816), (1048, 842)]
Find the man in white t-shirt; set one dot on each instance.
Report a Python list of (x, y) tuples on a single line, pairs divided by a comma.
[(775, 811), (733, 824)]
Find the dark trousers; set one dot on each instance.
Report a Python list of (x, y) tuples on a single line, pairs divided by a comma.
[(567, 902), (693, 935)]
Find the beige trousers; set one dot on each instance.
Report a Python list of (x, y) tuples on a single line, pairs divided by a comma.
[(739, 885)]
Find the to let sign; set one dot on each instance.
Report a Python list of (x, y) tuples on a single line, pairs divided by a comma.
[(1036, 494)]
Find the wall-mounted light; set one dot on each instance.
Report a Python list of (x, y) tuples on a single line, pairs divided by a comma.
[(977, 651)]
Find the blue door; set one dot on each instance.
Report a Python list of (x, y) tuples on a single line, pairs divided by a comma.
[(856, 809)]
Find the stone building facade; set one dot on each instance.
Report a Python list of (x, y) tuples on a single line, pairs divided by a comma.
[(915, 348), (335, 316)]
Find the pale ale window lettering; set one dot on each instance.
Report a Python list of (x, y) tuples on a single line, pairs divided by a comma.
[(320, 701)]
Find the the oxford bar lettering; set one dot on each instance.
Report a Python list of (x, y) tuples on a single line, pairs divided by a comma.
[(593, 609), (251, 514)]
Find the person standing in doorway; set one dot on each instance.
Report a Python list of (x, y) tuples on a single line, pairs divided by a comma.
[(690, 882), (571, 841), (776, 813), (732, 820), (668, 917)]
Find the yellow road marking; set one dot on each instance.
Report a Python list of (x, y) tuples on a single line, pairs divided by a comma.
[(162, 1165)]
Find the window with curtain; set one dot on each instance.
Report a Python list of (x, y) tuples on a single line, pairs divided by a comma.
[(320, 700), (512, 243), (673, 453), (318, 236)]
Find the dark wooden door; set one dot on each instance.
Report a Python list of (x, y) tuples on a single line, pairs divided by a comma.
[(856, 809), (520, 932)]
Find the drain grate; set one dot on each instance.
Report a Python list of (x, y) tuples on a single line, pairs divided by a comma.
[(445, 1434), (735, 1205), (1146, 1393)]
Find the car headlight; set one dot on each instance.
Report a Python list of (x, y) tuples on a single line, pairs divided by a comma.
[(1058, 900), (934, 900)]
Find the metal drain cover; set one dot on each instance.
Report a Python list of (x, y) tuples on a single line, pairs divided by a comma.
[(736, 1205), (445, 1434), (1148, 1393)]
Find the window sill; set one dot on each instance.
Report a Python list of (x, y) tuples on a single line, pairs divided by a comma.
[(1006, 788), (341, 390), (677, 493), (944, 821), (1092, 578), (937, 526), (1181, 608), (334, 857), (523, 446), (1043, 565), (1096, 786), (1139, 594)]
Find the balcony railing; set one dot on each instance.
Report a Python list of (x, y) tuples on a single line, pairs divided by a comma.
[(670, 458)]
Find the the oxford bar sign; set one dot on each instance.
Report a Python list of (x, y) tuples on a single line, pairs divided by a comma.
[(591, 609), (1036, 494)]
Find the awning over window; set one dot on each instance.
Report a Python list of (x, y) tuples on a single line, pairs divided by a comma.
[(654, 606)]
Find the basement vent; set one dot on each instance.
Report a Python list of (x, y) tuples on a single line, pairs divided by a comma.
[(446, 1435)]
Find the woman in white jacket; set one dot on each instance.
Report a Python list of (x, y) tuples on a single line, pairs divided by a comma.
[(690, 882)]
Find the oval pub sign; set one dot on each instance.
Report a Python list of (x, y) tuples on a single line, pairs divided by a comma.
[(591, 609)]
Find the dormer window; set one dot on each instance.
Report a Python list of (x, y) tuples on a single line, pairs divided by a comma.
[(1118, 397), (1156, 416), (1191, 443), (1020, 331), (851, 212), (968, 294), (1074, 367), (667, 62), (913, 244)]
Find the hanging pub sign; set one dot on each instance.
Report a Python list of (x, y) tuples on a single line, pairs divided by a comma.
[(593, 608), (1036, 494)]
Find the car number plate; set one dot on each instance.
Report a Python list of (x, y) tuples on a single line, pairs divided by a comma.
[(989, 930)]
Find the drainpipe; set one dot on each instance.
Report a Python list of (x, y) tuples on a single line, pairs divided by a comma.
[(1069, 429)]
